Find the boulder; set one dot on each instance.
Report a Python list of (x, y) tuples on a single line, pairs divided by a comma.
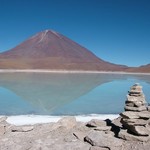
[(3, 119), (96, 123), (123, 134), (139, 130), (116, 122), (101, 139), (68, 122)]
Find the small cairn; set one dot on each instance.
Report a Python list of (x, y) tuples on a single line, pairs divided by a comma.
[(136, 118), (135, 99)]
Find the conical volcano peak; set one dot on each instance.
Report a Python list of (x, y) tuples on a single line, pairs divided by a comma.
[(43, 35), (51, 50), (46, 34), (50, 33)]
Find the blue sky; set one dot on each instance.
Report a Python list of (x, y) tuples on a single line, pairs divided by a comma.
[(117, 31)]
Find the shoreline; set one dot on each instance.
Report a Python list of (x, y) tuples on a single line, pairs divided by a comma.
[(41, 119), (67, 71)]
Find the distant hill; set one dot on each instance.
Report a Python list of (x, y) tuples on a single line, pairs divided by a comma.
[(143, 69), (51, 50)]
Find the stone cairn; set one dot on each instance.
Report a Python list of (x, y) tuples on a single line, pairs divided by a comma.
[(136, 117)]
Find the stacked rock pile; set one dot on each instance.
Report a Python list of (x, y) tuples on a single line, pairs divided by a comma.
[(135, 99), (136, 118)]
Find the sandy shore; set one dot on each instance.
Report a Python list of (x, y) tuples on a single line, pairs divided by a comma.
[(66, 71)]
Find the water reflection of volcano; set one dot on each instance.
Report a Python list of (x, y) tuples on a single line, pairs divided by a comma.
[(49, 91)]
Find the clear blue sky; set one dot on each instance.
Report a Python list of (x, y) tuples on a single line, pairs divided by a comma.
[(117, 31)]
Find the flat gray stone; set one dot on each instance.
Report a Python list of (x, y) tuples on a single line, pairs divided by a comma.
[(139, 109), (130, 137), (96, 123), (138, 104), (68, 122), (134, 122), (134, 103), (130, 115), (99, 138), (144, 115), (139, 130), (135, 94), (136, 99), (135, 115)]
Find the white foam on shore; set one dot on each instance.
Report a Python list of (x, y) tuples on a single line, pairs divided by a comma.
[(67, 71), (35, 119)]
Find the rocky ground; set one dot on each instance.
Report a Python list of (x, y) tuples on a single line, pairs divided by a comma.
[(68, 134)]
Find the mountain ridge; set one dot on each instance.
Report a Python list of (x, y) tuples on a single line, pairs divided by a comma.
[(51, 50), (143, 69)]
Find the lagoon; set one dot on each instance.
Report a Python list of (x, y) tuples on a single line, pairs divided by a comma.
[(59, 94)]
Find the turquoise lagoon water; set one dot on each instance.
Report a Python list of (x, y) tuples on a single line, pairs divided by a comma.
[(66, 94)]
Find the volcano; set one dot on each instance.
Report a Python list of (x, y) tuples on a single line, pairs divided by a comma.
[(52, 50)]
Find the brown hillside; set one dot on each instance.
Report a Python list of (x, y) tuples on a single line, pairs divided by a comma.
[(51, 50), (143, 69)]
